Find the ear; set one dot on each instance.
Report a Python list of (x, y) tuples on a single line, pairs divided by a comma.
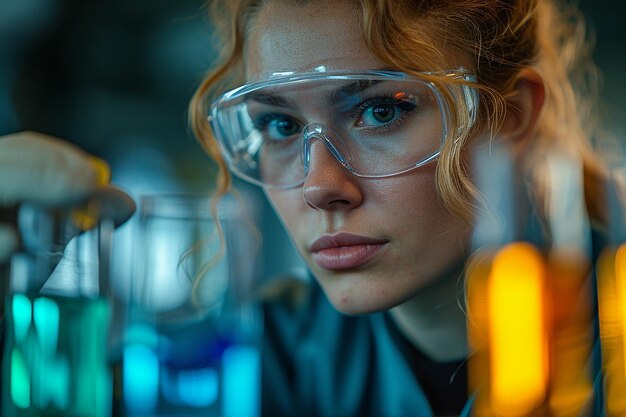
[(523, 106)]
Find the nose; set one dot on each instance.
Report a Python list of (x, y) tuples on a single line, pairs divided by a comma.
[(328, 185)]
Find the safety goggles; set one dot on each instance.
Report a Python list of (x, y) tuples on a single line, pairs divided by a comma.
[(376, 123)]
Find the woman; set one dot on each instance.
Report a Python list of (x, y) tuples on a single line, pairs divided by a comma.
[(360, 123), (379, 206)]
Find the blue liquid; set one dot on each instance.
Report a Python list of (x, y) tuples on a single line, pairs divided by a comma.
[(55, 357), (195, 370)]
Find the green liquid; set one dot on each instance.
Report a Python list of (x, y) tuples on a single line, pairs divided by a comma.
[(55, 357)]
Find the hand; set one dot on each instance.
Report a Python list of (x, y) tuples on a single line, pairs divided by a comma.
[(40, 169)]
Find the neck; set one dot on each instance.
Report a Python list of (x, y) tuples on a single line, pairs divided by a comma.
[(434, 320)]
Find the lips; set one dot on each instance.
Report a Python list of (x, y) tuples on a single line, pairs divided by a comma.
[(344, 251)]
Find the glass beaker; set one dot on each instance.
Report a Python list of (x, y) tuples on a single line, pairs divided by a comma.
[(55, 360), (192, 341)]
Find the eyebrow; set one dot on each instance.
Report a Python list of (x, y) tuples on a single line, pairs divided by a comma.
[(333, 97), (271, 99), (349, 90)]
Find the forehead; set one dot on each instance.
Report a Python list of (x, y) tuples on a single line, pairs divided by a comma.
[(289, 37)]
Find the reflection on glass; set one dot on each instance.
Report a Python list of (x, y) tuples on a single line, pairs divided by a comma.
[(141, 376), (241, 381), (518, 340)]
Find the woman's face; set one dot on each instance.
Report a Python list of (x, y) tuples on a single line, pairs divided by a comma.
[(372, 243)]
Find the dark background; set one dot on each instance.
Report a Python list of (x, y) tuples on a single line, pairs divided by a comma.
[(114, 77)]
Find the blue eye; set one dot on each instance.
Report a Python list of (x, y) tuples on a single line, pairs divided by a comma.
[(383, 112), (277, 127), (283, 127)]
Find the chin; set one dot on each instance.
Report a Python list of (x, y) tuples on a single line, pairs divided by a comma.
[(360, 307), (357, 299)]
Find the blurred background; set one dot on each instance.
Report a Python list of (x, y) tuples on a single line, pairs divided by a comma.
[(115, 78)]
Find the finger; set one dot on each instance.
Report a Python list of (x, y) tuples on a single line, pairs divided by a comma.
[(44, 170), (108, 202), (117, 204)]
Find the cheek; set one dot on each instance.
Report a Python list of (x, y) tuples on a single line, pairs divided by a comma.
[(289, 205), (413, 195), (420, 219)]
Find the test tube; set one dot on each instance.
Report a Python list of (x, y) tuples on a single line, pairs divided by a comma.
[(529, 309), (612, 299)]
